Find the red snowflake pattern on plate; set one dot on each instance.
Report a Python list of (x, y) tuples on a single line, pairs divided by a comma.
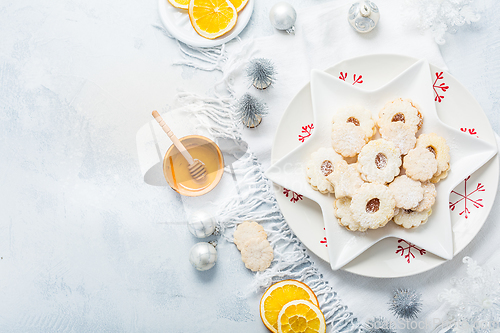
[(307, 130), (443, 87), (467, 198), (471, 131), (343, 77), (324, 241), (406, 251), (294, 197)]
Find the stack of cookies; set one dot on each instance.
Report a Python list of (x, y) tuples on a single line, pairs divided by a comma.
[(375, 181)]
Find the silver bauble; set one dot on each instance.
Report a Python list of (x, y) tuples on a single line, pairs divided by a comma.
[(363, 16), (283, 16), (202, 224), (203, 256)]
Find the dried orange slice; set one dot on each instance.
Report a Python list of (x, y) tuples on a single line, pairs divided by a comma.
[(301, 316), (212, 18), (182, 4), (280, 294), (239, 4)]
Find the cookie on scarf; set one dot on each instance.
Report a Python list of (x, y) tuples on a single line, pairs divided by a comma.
[(401, 110), (246, 231), (345, 179), (320, 166), (436, 145), (407, 192), (379, 161), (420, 164), (411, 219), (357, 115), (347, 139), (257, 254), (343, 213), (430, 194), (373, 206), (401, 135)]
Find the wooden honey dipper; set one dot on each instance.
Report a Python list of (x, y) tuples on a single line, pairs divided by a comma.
[(196, 167)]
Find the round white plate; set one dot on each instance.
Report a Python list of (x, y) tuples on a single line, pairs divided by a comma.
[(177, 22), (470, 202)]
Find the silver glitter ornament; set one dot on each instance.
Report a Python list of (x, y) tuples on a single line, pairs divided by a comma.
[(363, 16), (405, 304), (202, 224), (203, 256), (283, 17)]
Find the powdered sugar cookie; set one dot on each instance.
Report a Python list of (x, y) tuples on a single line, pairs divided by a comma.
[(347, 139), (345, 179), (436, 145), (343, 213), (401, 110), (411, 219), (430, 194), (407, 192), (246, 231), (358, 116), (436, 179), (257, 254), (420, 164), (401, 135), (319, 166), (373, 206), (379, 161)]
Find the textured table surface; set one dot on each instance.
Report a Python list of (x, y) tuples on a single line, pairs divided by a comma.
[(85, 244)]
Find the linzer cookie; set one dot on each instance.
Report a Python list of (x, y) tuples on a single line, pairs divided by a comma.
[(436, 145), (379, 161), (407, 192), (357, 115), (430, 194), (345, 179), (401, 110), (373, 206), (411, 219), (401, 135), (348, 139), (420, 164), (320, 166), (344, 215)]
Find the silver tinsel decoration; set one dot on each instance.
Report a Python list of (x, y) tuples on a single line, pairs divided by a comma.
[(250, 110), (405, 304), (378, 325), (261, 72)]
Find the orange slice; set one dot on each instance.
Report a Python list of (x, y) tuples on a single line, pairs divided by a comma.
[(212, 18), (279, 294), (301, 316), (239, 4), (182, 4)]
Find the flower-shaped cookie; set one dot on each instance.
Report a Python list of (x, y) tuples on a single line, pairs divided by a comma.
[(320, 166)]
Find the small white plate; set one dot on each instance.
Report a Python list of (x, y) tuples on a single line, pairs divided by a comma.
[(177, 22), (391, 257)]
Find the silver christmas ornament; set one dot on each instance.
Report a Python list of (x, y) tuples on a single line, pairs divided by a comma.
[(363, 16), (203, 256), (283, 17), (405, 304), (202, 224)]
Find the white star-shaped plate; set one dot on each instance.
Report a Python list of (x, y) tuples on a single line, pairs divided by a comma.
[(328, 93)]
